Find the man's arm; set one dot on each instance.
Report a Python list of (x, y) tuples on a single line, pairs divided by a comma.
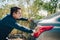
[(19, 27), (23, 19), (26, 19), (22, 28)]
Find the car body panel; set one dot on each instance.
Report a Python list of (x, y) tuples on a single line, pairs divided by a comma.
[(54, 34)]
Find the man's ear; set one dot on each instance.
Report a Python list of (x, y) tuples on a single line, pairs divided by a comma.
[(14, 13)]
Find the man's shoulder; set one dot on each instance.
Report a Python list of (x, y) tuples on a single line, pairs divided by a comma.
[(7, 17)]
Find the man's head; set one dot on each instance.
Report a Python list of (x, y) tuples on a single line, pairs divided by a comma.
[(16, 12)]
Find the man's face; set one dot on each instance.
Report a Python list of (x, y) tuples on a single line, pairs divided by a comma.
[(17, 15)]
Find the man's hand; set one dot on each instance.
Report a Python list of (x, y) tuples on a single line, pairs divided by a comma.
[(30, 19), (35, 30)]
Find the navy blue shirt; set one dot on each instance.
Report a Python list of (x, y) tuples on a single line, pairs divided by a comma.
[(8, 23)]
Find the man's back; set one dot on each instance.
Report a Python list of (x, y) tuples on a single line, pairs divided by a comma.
[(5, 28)]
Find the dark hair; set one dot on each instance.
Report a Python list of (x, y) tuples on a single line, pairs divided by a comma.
[(14, 9)]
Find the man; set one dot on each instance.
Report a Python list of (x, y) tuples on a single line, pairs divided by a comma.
[(9, 22)]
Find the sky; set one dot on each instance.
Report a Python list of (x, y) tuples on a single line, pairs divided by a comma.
[(9, 2), (46, 0), (17, 2)]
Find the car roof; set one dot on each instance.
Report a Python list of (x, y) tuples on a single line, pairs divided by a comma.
[(52, 15)]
